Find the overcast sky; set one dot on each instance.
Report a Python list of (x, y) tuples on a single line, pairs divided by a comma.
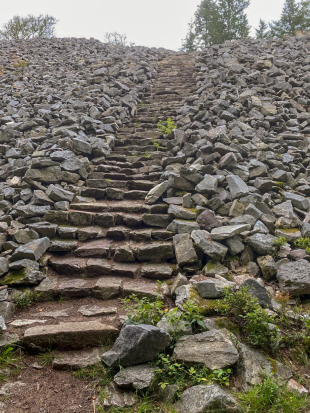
[(153, 23)]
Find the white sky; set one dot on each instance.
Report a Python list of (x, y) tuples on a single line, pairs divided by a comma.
[(153, 23)]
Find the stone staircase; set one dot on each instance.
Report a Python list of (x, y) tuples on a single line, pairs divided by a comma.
[(110, 244)]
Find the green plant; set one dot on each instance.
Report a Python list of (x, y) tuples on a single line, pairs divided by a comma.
[(157, 145), (280, 241), (21, 64), (303, 243), (171, 372), (24, 300), (256, 324), (270, 397), (143, 310), (46, 358), (166, 126), (9, 357), (98, 374)]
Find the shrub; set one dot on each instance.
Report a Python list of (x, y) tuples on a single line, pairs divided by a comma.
[(254, 321), (24, 300), (270, 397), (143, 310), (166, 126), (280, 241), (29, 27)]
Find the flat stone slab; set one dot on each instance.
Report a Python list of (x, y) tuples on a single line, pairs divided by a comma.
[(69, 335), (23, 323), (71, 360), (95, 310), (213, 348), (229, 231)]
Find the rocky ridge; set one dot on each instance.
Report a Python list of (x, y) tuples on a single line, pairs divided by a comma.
[(97, 204)]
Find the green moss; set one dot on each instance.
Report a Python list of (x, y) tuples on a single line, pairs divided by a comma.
[(274, 365), (279, 184), (13, 277), (224, 322), (289, 230)]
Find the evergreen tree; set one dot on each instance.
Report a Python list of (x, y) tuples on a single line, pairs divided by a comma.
[(262, 31), (217, 21), (233, 20), (295, 18), (189, 43)]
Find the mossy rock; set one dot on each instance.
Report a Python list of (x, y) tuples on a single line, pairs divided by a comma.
[(22, 277), (224, 322)]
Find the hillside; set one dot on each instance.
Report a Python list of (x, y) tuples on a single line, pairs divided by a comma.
[(154, 216)]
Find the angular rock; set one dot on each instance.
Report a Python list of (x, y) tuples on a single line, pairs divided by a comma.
[(294, 278), (136, 377), (211, 248), (184, 249), (136, 344), (33, 250)]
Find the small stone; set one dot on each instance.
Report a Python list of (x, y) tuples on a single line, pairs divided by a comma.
[(136, 377)]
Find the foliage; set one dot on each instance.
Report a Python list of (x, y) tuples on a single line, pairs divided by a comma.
[(215, 22), (46, 358), (295, 18), (303, 243), (171, 372), (28, 27), (166, 126), (157, 145), (24, 300), (262, 31), (143, 310), (254, 321), (9, 356), (270, 397), (117, 39), (280, 241), (146, 405), (21, 64)]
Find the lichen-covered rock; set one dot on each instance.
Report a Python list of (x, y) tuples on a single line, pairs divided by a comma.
[(294, 277)]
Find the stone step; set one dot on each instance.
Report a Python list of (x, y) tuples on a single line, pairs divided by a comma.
[(112, 206), (140, 185), (72, 335), (56, 287), (100, 194), (94, 267), (124, 251)]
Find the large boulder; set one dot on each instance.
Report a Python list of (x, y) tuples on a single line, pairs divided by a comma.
[(294, 277), (136, 344)]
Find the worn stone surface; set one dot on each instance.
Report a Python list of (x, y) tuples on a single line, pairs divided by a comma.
[(136, 377), (294, 277), (210, 398), (213, 348)]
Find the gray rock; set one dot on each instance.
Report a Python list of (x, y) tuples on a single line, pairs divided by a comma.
[(184, 249), (294, 278), (59, 194), (268, 266), (181, 213), (262, 243), (228, 231), (252, 365), (202, 399), (155, 193), (4, 265), (136, 344), (136, 377), (114, 397), (257, 291), (212, 288), (211, 248), (179, 280), (175, 328), (33, 250), (7, 310), (212, 348), (207, 220), (237, 187), (208, 185), (235, 245)]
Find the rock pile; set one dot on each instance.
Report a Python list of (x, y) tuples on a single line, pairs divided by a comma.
[(237, 175)]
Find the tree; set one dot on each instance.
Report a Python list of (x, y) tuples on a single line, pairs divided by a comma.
[(262, 31), (28, 27), (295, 18), (217, 21), (117, 39), (189, 43)]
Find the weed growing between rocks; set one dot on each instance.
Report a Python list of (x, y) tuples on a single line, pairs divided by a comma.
[(270, 397), (143, 310), (9, 359), (166, 126), (98, 375), (171, 372), (24, 300)]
